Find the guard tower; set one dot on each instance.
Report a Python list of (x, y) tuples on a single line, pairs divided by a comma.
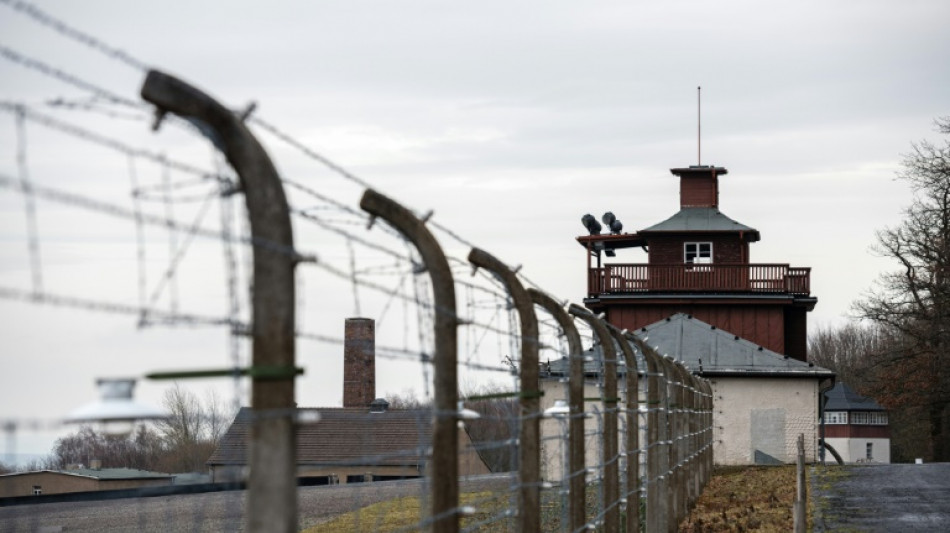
[(698, 264)]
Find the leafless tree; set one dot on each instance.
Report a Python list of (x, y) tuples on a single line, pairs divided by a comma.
[(915, 300)]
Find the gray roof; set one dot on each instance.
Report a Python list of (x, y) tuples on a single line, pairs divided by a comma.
[(106, 474), (702, 219), (716, 351), (118, 473), (843, 398), (704, 347)]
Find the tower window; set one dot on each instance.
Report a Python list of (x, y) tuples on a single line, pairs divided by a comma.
[(697, 252), (836, 417)]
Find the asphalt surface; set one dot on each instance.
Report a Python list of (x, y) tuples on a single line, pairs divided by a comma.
[(891, 498), (213, 511)]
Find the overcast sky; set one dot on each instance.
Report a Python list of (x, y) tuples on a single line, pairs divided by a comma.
[(509, 120)]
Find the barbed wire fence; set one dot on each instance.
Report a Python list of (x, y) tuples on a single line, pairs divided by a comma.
[(490, 444)]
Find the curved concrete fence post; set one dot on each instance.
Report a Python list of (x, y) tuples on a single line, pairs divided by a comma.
[(610, 400), (529, 459), (443, 470), (575, 398), (657, 460), (632, 440), (272, 482)]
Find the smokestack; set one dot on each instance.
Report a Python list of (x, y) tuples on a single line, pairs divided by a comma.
[(359, 362)]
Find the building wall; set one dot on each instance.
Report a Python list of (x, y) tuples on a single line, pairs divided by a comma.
[(59, 483), (845, 431), (854, 450), (758, 420), (761, 324), (669, 250), (554, 432)]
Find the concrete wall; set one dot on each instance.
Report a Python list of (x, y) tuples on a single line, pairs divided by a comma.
[(757, 420)]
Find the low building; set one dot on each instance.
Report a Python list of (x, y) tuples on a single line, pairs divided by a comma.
[(42, 482), (856, 427), (349, 445), (362, 441)]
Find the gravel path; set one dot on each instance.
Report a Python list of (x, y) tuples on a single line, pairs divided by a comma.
[(213, 511), (885, 498)]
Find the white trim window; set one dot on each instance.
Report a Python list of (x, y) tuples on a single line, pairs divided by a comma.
[(869, 418), (37, 490), (698, 253), (836, 417)]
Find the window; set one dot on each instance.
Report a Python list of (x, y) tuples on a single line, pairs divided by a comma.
[(697, 252), (869, 454), (37, 490), (872, 418), (836, 417)]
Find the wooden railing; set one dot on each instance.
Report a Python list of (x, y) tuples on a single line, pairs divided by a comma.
[(709, 278)]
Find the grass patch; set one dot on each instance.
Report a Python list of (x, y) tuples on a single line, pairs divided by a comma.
[(404, 513), (755, 498)]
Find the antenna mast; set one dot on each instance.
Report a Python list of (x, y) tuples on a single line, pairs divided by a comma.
[(699, 125)]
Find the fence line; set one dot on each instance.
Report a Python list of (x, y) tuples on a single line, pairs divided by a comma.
[(654, 434)]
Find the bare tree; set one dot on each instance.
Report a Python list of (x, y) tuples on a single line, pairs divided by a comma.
[(915, 300)]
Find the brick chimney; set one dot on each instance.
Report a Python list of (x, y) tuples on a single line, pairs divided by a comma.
[(359, 362), (699, 185)]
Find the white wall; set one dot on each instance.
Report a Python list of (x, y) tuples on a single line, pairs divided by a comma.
[(750, 415), (855, 450), (758, 420)]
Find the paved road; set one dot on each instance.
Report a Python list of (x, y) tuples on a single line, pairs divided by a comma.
[(212, 512), (886, 498)]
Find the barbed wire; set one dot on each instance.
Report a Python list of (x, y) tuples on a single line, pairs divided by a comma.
[(65, 77), (70, 32), (102, 140)]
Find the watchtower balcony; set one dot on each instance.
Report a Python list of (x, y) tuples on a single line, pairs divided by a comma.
[(699, 278)]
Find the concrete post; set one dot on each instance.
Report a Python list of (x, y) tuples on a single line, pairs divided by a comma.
[(575, 399), (443, 471), (272, 482), (610, 399), (632, 415), (529, 451)]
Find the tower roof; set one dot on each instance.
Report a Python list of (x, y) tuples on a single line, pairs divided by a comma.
[(702, 219), (843, 398)]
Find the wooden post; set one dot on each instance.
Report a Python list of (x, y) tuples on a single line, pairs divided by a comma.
[(272, 482), (443, 472), (611, 482), (577, 484), (529, 451), (800, 514)]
